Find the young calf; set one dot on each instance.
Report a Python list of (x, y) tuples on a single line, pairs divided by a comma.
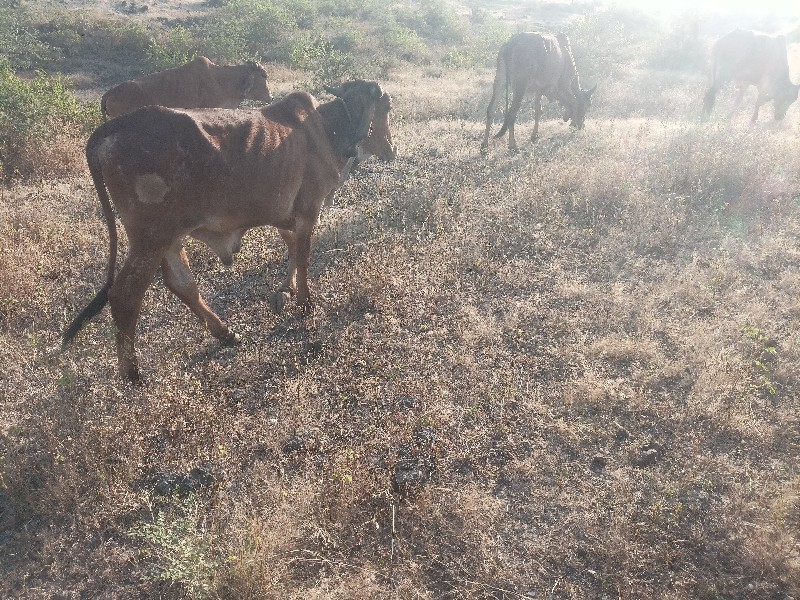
[(213, 174)]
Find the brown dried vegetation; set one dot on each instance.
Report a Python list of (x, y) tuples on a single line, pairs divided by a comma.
[(570, 372)]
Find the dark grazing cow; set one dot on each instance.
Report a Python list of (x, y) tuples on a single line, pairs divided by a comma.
[(751, 58), (544, 64), (213, 174), (197, 84)]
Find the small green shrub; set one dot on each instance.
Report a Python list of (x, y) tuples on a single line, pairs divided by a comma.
[(437, 22), (366, 10), (116, 42), (401, 42), (604, 41), (178, 548), (171, 48), (344, 34), (680, 48), (327, 64), (18, 40), (483, 43), (248, 28), (34, 114)]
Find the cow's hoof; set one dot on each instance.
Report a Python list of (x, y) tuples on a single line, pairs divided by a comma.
[(278, 301), (307, 308), (230, 339), (131, 374)]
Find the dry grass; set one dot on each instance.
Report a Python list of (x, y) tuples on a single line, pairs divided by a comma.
[(565, 373)]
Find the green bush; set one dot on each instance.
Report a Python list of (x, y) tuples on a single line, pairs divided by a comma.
[(178, 547), (605, 41), (679, 49), (401, 42), (35, 115), (483, 43), (327, 64), (437, 22), (171, 48), (18, 40), (249, 28)]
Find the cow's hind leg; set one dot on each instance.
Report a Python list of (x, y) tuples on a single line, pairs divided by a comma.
[(737, 102), (511, 118), (178, 278), (289, 287), (125, 299), (303, 234), (498, 83), (761, 99), (708, 101)]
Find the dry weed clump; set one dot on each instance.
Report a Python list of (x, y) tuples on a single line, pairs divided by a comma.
[(58, 156)]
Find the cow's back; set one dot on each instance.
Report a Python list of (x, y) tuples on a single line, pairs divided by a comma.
[(180, 87), (243, 166), (748, 57), (187, 86), (539, 57)]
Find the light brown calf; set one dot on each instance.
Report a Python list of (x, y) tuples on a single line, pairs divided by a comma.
[(197, 84)]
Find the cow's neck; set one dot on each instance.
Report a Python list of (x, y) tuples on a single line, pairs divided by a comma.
[(229, 78), (341, 128)]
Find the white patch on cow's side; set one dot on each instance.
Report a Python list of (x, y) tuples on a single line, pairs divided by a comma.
[(150, 188), (104, 150)]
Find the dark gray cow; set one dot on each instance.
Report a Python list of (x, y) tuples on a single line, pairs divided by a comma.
[(750, 58), (543, 64)]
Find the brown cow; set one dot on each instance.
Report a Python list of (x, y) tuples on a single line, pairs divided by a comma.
[(544, 64), (197, 84), (750, 58), (372, 146), (213, 174)]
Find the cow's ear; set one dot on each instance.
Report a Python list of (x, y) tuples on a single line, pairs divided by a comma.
[(375, 91), (336, 91)]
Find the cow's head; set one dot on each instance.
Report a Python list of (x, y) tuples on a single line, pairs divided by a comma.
[(379, 140), (255, 83), (583, 102), (368, 108), (784, 100)]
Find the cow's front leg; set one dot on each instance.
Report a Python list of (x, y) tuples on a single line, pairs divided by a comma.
[(178, 278), (289, 287)]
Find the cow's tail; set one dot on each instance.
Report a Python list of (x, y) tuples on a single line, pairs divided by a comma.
[(103, 109), (101, 298), (507, 59), (711, 93)]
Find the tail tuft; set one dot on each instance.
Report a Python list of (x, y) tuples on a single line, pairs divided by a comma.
[(92, 309)]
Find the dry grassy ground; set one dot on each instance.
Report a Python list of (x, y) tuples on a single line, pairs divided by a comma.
[(570, 372)]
